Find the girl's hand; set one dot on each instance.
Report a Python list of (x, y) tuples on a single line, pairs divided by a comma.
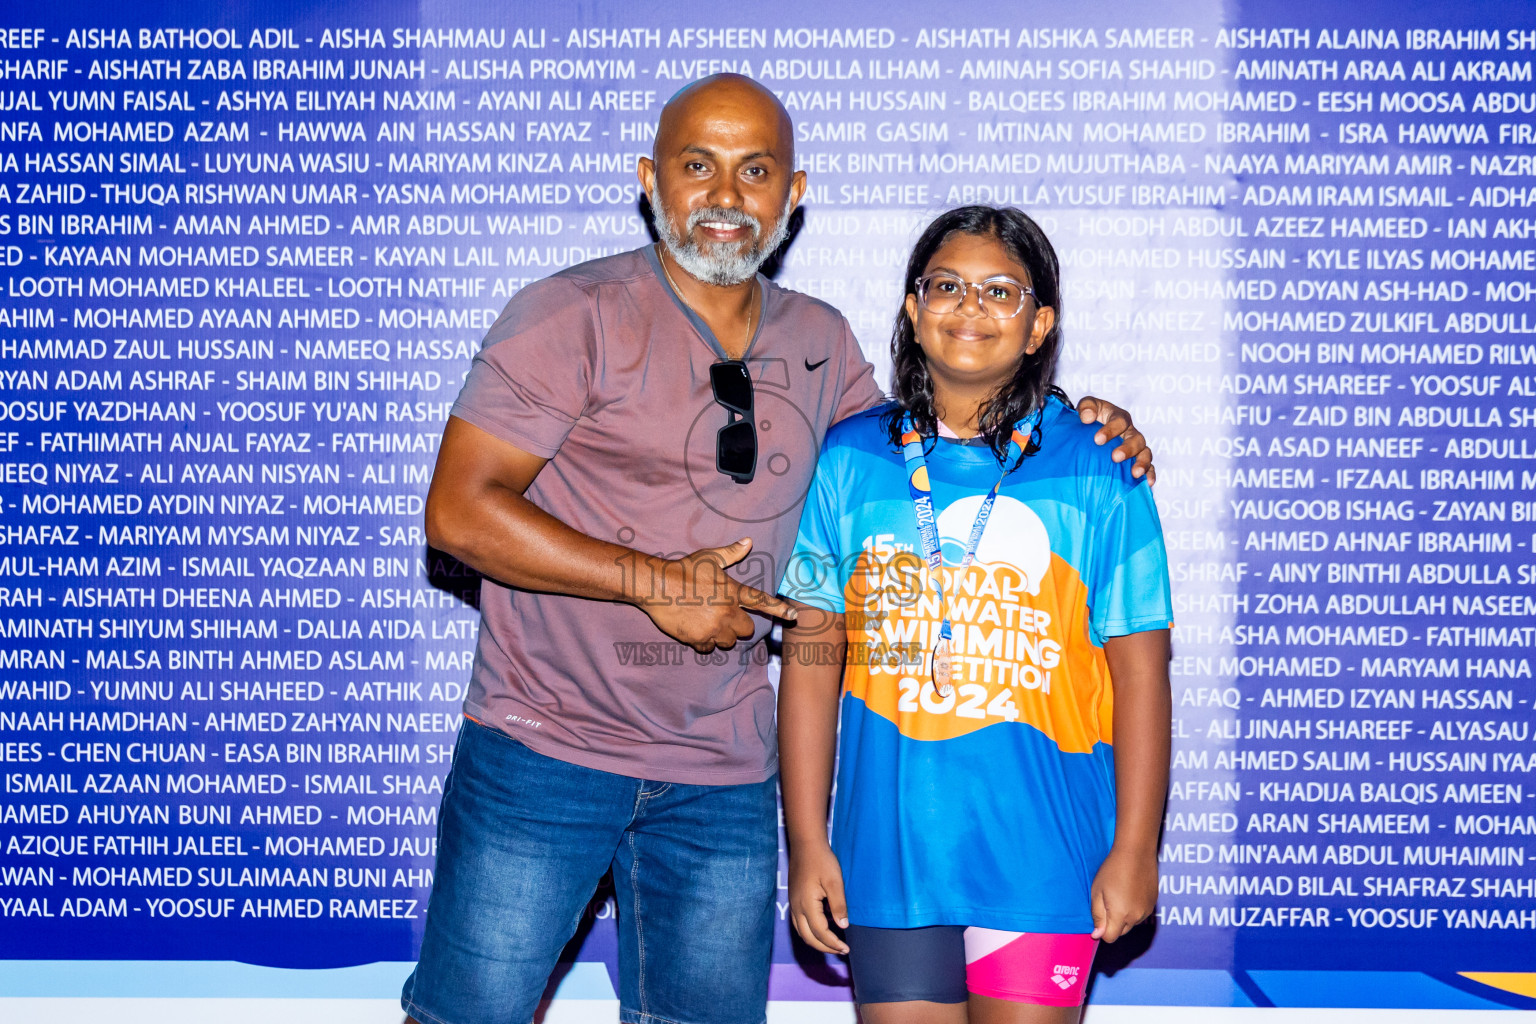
[(816, 876), (1124, 892)]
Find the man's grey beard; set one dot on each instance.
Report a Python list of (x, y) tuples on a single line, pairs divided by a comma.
[(723, 263)]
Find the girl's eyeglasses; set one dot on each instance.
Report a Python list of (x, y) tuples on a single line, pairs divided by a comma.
[(1001, 298)]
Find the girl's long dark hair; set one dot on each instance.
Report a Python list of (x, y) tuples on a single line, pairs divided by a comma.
[(1026, 391)]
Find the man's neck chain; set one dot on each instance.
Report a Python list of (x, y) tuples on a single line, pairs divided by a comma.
[(678, 292)]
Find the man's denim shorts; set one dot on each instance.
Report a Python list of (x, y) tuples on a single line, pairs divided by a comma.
[(523, 841)]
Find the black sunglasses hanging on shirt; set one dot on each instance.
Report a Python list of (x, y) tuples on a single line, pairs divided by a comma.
[(736, 442)]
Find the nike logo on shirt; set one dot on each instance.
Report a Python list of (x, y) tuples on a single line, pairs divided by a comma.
[(816, 365)]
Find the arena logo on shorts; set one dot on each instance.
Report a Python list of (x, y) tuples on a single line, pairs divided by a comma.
[(1065, 977)]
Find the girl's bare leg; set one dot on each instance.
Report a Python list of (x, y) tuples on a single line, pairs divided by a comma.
[(913, 1012), (986, 1010)]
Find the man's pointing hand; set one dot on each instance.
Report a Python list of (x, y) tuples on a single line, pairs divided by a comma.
[(699, 604)]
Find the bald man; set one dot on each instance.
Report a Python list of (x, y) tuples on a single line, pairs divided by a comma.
[(626, 465)]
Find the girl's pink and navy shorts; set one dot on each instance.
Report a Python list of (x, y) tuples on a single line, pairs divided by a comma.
[(948, 963)]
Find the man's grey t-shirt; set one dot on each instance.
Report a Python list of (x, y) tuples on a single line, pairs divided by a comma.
[(604, 372)]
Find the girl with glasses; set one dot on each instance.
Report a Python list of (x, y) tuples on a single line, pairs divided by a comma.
[(984, 648)]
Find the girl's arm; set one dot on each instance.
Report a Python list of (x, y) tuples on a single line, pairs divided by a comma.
[(810, 686), (1125, 889)]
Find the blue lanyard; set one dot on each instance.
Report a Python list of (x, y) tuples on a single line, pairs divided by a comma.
[(921, 490)]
